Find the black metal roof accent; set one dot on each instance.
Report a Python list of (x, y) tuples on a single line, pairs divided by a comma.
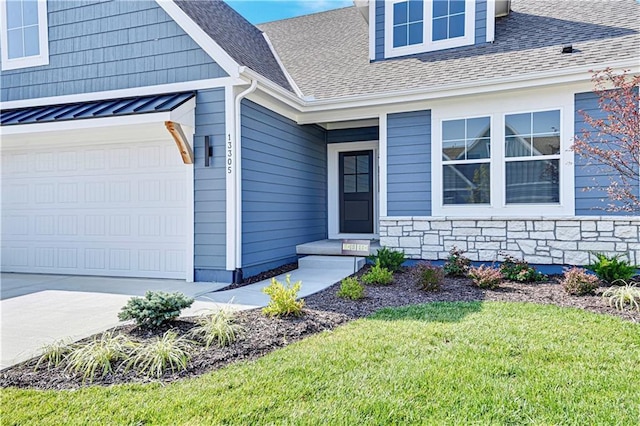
[(94, 109)]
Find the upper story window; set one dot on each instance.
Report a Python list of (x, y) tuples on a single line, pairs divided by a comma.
[(417, 26), (24, 33), (448, 19), (408, 23)]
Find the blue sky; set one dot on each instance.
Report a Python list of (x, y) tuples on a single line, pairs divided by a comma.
[(259, 11)]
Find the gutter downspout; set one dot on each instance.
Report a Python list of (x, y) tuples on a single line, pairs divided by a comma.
[(238, 179)]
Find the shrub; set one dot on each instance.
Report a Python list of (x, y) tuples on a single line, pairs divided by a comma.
[(99, 355), (155, 308), (282, 300), (54, 353), (485, 276), (389, 259), (621, 296), (378, 275), (578, 282), (429, 277), (350, 288), (519, 270), (219, 327), (457, 264), (611, 269), (163, 353)]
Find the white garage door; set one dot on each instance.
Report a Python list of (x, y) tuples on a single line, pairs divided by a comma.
[(114, 209)]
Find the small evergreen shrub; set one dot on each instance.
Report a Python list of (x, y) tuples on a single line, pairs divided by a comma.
[(457, 264), (99, 355), (350, 288), (519, 270), (389, 259), (378, 275), (578, 282), (429, 277), (283, 298), (621, 296), (152, 359), (611, 269), (485, 276), (54, 353), (155, 308), (220, 327)]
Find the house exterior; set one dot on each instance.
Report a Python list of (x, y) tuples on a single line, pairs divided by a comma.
[(174, 139)]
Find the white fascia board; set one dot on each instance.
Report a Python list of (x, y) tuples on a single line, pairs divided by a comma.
[(290, 79), (491, 20), (352, 124), (124, 93), (372, 30), (85, 123), (262, 98), (364, 106), (185, 114), (330, 109), (273, 89), (202, 39)]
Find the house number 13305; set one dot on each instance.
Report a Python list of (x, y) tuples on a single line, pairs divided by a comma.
[(229, 154)]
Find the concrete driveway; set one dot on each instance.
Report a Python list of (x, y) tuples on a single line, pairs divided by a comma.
[(39, 309)]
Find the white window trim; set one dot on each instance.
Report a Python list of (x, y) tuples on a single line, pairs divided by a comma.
[(333, 192), (497, 111), (43, 39), (428, 45)]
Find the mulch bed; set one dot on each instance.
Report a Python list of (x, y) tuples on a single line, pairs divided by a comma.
[(404, 291), (262, 335), (323, 311), (263, 276)]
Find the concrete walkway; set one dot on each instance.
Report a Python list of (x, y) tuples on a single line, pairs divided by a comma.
[(39, 309)]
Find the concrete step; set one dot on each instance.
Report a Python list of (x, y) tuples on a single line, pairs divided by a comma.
[(331, 262), (329, 248)]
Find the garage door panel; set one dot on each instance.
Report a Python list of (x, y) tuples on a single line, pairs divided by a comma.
[(115, 210)]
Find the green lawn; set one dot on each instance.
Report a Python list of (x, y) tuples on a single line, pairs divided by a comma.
[(463, 363)]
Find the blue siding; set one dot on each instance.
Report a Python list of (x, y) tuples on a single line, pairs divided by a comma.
[(284, 189), (353, 135), (99, 46), (409, 164), (210, 189), (594, 201), (379, 30), (481, 22)]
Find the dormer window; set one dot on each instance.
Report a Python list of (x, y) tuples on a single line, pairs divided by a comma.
[(448, 19), (408, 23), (417, 26), (24, 34)]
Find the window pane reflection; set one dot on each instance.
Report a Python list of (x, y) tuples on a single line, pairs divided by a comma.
[(466, 184), (535, 181)]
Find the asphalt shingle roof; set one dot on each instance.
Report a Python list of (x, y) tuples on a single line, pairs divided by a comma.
[(238, 37), (326, 53)]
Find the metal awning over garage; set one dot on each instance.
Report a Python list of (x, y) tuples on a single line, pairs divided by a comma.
[(94, 109)]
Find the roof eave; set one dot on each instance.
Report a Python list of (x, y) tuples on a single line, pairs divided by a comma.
[(567, 75)]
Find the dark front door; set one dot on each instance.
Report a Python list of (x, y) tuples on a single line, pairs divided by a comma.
[(356, 192)]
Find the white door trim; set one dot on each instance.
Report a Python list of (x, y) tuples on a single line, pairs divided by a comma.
[(333, 194)]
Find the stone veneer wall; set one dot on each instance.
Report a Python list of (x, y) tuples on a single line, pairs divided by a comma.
[(556, 241)]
